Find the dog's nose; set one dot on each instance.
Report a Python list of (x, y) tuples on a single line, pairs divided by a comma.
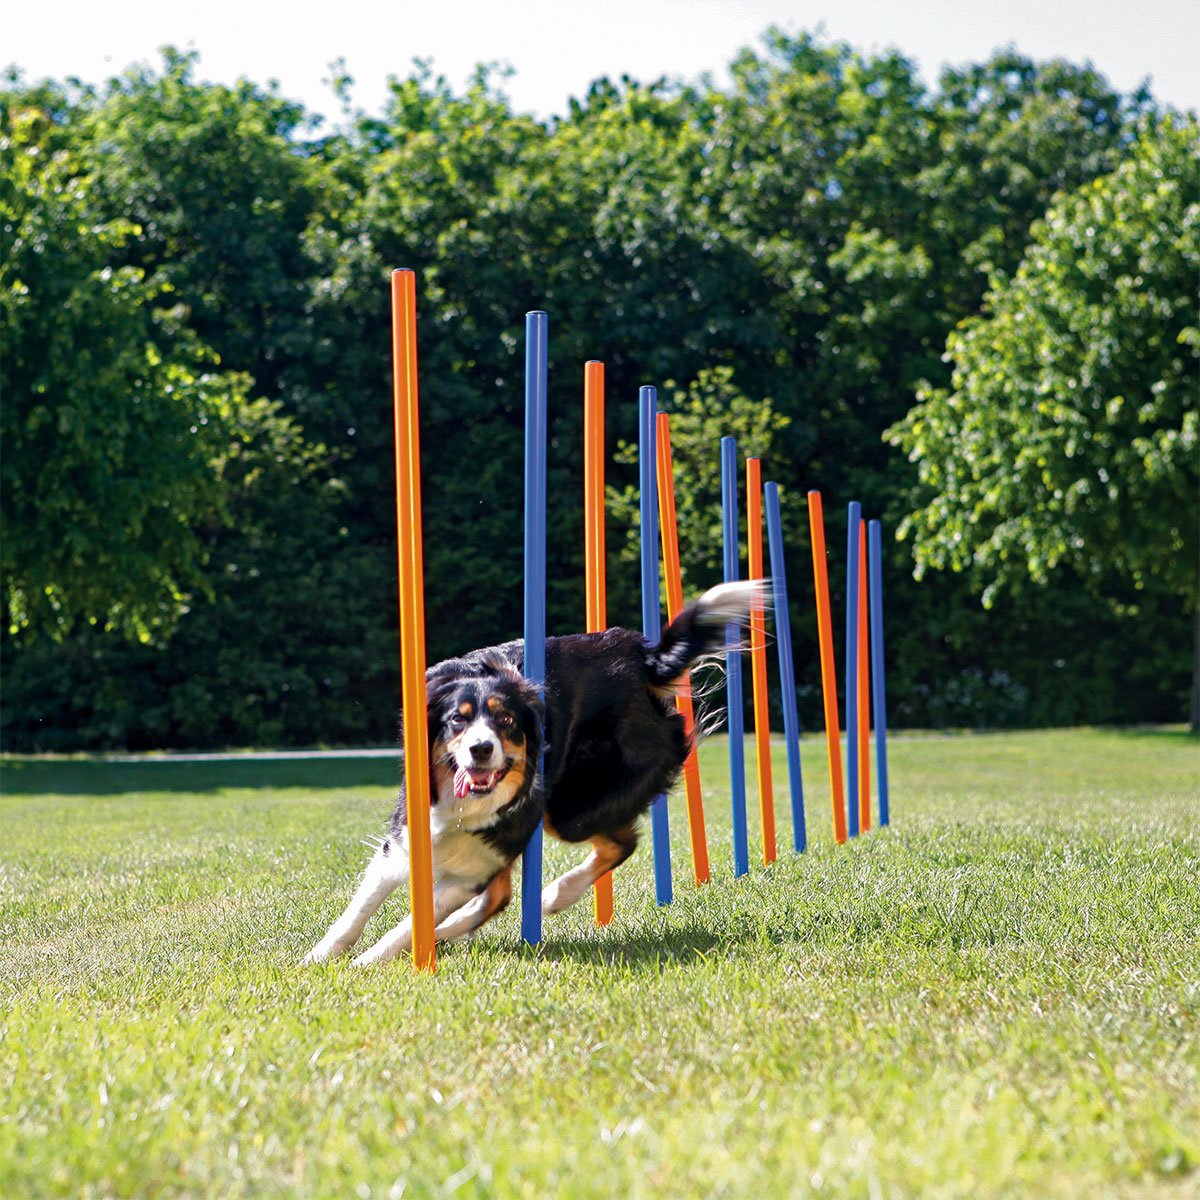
[(482, 750)]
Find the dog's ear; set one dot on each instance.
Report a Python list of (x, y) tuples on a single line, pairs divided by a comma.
[(448, 668), (439, 680), (437, 691), (437, 686), (529, 695)]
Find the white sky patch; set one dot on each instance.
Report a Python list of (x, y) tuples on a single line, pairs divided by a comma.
[(558, 47)]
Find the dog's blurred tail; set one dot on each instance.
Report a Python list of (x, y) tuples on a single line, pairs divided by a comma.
[(700, 628)]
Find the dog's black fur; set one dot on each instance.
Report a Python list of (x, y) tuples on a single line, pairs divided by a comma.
[(612, 740)]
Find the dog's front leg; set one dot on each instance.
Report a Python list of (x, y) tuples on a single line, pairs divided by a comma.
[(385, 872), (446, 898), (466, 920)]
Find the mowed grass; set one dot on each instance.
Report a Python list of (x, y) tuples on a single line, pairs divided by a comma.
[(997, 996)]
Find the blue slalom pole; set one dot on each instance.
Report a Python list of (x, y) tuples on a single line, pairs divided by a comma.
[(733, 660), (536, 338), (651, 616), (787, 669), (875, 578), (854, 518)]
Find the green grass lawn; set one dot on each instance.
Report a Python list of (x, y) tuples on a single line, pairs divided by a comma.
[(998, 996)]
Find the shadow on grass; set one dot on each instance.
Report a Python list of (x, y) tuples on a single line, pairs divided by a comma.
[(647, 948), (79, 777)]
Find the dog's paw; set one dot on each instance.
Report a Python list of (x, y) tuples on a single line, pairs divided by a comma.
[(325, 950), (555, 898), (378, 953)]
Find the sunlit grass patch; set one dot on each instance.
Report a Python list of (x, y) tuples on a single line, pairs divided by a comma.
[(996, 996)]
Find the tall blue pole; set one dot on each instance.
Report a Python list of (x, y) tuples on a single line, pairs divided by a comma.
[(854, 519), (651, 615), (787, 669), (875, 573), (733, 660), (536, 339)]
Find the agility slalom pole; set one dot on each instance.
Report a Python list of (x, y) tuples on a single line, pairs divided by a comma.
[(864, 687), (758, 661), (816, 526), (853, 521), (875, 548), (683, 697), (733, 661), (651, 616), (536, 339), (593, 495), (593, 541), (412, 616), (787, 668)]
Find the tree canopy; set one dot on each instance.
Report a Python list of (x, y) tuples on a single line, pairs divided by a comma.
[(1070, 432), (197, 472), (113, 410)]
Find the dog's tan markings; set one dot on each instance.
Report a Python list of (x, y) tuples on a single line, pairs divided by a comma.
[(443, 777), (445, 748), (466, 709), (499, 893), (518, 760), (486, 905), (495, 704), (612, 849), (609, 851)]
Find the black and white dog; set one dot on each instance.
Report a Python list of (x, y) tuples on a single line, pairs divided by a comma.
[(613, 741)]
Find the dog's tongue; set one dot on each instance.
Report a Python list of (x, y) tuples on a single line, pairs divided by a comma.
[(465, 779)]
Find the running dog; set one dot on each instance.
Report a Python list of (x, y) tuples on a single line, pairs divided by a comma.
[(612, 738)]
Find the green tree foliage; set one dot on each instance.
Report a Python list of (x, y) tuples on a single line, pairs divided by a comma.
[(113, 414), (795, 247), (709, 408), (222, 195), (1069, 434), (186, 512)]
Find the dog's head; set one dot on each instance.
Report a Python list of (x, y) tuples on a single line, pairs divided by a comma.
[(485, 732)]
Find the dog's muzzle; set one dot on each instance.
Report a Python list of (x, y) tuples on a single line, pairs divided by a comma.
[(474, 781)]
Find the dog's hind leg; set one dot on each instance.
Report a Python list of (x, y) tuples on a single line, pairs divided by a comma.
[(385, 872), (447, 897), (609, 851), (493, 899)]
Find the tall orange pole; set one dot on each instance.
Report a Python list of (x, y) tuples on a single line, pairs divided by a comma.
[(593, 548), (683, 698), (816, 526), (758, 661), (864, 688), (412, 616)]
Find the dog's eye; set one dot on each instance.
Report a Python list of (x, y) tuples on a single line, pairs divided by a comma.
[(457, 720), (505, 720)]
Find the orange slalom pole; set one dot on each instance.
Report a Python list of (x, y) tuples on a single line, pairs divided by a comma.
[(816, 526), (758, 661), (864, 689), (683, 698), (593, 540), (412, 616)]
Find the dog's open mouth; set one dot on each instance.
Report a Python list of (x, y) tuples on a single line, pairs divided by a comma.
[(468, 781)]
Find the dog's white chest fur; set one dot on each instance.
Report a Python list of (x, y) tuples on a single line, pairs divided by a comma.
[(459, 853)]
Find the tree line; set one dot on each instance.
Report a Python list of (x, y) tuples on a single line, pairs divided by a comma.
[(968, 305)]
